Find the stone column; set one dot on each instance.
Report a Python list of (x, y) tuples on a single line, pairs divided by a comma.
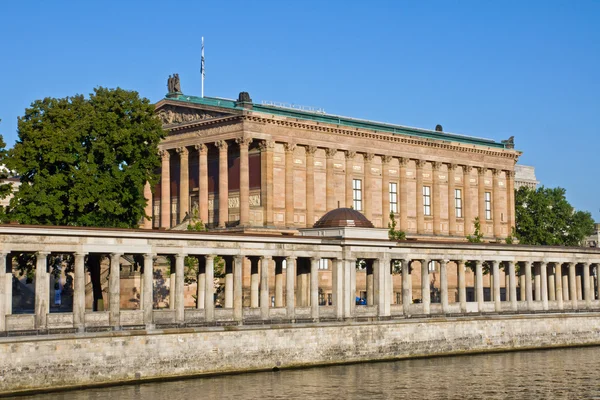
[(238, 263), (572, 285), (148, 210), (147, 282), (403, 201), (349, 177), (586, 285), (481, 198), (462, 287), (544, 289), (512, 286), (330, 180), (254, 282), (522, 285), (290, 295), (42, 289), (479, 285), (265, 299), (179, 304), (202, 182), (528, 286), (406, 294), (467, 206), (289, 183), (201, 283), (537, 282), (565, 284), (383, 285), (425, 289), (451, 202), (385, 191), (349, 287), (419, 199), (558, 284), (510, 199), (209, 297), (229, 267), (172, 284), (551, 280), (444, 286), (165, 190), (184, 182), (578, 283), (5, 290), (314, 288), (278, 282), (78, 292), (370, 279), (114, 290), (266, 158), (310, 186), (244, 143), (223, 183), (368, 189), (496, 203), (496, 289), (337, 284), (435, 197)]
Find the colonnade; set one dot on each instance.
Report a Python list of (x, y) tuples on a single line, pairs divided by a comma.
[(267, 159)]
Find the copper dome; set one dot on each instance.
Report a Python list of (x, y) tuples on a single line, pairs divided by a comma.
[(341, 217)]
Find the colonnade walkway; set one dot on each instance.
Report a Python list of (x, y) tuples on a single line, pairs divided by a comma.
[(548, 279)]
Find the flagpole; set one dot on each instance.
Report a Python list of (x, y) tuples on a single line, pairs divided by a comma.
[(202, 67)]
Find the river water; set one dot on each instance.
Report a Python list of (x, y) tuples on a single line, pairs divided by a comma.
[(545, 374)]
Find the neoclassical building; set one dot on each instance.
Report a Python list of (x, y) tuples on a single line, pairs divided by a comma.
[(248, 166)]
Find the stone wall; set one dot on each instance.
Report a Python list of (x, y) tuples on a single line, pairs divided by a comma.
[(43, 363)]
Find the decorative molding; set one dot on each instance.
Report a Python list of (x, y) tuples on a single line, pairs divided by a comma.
[(221, 145), (495, 172), (289, 147), (403, 161), (481, 171), (420, 163), (467, 169), (311, 150), (349, 154), (266, 145), (243, 142), (165, 155), (201, 148), (254, 200), (182, 151), (330, 153), (386, 159), (436, 165), (368, 156), (176, 115)]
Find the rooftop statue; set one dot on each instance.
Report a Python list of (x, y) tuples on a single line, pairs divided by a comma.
[(509, 143), (173, 84)]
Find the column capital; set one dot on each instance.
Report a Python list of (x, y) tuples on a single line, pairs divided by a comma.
[(182, 151), (311, 150), (481, 171), (42, 253), (451, 166), (436, 165), (420, 163), (80, 254), (201, 148), (350, 154), (149, 255), (315, 259), (368, 156), (509, 174), (243, 142), (180, 255), (289, 147), (265, 145), (330, 153), (495, 172), (209, 257), (266, 258), (221, 145), (164, 155), (116, 255), (386, 159), (292, 258), (403, 161), (467, 169)]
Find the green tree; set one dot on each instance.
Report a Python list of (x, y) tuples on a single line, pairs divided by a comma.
[(392, 232), (545, 217), (5, 188), (477, 236), (84, 162)]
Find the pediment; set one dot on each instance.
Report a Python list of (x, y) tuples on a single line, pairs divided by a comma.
[(171, 115)]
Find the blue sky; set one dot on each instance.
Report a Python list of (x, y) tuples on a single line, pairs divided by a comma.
[(490, 69)]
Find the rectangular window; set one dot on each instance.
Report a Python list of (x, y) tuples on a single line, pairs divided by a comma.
[(427, 200), (323, 263), (488, 205), (357, 194), (458, 202), (393, 197)]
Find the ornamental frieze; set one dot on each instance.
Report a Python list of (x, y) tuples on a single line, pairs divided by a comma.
[(175, 115)]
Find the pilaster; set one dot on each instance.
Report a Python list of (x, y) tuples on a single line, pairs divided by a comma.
[(467, 206), (496, 203), (451, 200), (330, 180), (310, 185), (368, 189), (481, 199), (244, 144), (385, 191), (184, 183), (419, 194), (349, 177), (202, 182), (403, 203), (266, 147), (223, 184), (289, 183), (435, 197)]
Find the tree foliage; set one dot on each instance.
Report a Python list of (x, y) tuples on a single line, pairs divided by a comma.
[(393, 233), (5, 188), (545, 217), (477, 236), (84, 162)]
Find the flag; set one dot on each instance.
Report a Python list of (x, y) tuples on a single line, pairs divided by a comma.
[(202, 61)]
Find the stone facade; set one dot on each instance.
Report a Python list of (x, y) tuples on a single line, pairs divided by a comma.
[(525, 176), (241, 164)]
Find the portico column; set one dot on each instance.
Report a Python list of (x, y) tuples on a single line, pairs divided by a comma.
[(451, 201), (314, 288), (278, 282), (254, 282), (586, 285), (496, 275), (573, 285), (289, 183), (385, 190), (462, 287), (201, 283), (184, 182), (114, 290), (349, 177), (229, 267), (290, 295), (266, 159), (444, 286), (419, 194), (551, 280), (406, 282), (479, 285), (368, 190), (148, 300), (468, 207), (435, 197), (165, 190), (5, 288), (265, 300), (496, 203), (179, 305), (337, 276), (209, 297), (79, 292), (512, 285), (425, 286), (223, 184), (558, 284), (383, 285), (202, 182), (565, 284), (330, 180), (349, 287), (370, 279), (148, 210), (310, 185), (544, 279), (528, 286), (237, 288), (244, 143), (537, 282), (403, 204), (481, 199)]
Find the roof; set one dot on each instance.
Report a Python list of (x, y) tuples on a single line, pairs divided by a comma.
[(341, 217), (338, 120)]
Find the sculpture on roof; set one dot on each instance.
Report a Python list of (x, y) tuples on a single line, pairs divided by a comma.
[(244, 97), (509, 143), (173, 84)]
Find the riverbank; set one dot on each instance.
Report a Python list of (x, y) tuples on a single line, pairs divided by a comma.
[(31, 364)]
